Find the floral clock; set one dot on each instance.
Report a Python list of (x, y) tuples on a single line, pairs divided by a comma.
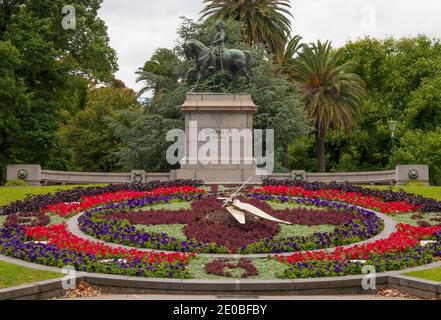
[(167, 227)]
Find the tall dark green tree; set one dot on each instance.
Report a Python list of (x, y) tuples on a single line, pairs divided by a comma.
[(56, 67), (159, 73), (87, 138), (14, 102)]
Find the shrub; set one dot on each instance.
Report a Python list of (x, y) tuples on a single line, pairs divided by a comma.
[(16, 183)]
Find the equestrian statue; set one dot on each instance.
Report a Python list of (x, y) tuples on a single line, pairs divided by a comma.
[(217, 58)]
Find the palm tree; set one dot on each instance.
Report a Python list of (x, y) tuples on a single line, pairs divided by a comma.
[(160, 73), (266, 21), (286, 59), (333, 95)]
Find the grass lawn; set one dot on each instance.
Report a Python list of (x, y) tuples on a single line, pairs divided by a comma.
[(425, 191), (290, 205), (11, 194), (427, 217), (12, 275), (172, 230), (171, 206), (296, 230), (430, 274)]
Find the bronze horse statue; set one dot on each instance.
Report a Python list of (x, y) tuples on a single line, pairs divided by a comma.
[(237, 61)]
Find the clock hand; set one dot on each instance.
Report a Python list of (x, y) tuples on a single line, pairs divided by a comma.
[(234, 194)]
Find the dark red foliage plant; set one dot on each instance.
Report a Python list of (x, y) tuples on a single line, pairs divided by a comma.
[(423, 223), (28, 219), (218, 268), (208, 222), (417, 217)]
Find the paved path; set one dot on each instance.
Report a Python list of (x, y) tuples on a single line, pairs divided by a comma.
[(389, 228), (235, 298)]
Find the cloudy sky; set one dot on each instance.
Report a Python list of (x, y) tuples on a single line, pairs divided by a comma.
[(138, 27)]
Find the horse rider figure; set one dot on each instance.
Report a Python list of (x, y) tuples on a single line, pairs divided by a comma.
[(218, 47)]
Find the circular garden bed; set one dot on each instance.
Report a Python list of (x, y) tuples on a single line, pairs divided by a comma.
[(208, 228), (187, 220)]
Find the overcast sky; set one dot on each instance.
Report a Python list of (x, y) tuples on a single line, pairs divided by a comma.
[(138, 27)]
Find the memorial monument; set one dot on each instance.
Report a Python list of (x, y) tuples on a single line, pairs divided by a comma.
[(224, 119)]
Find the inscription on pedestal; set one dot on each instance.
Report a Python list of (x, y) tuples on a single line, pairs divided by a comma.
[(227, 121)]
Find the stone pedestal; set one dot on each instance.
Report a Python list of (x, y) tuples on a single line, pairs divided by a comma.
[(223, 115), (27, 172), (406, 173)]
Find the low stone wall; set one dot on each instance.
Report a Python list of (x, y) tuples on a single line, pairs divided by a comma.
[(61, 177), (373, 177), (34, 175)]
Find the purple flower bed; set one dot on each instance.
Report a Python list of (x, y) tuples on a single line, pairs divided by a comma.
[(212, 230), (36, 203), (15, 243), (427, 205)]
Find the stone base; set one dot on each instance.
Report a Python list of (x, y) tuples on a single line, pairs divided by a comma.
[(403, 171), (220, 175), (223, 114), (33, 172)]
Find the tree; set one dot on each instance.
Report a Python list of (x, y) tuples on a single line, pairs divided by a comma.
[(143, 137), (424, 107), (159, 73), (402, 81), (8, 8), (90, 141), (333, 95), (14, 103), (287, 59), (266, 21), (57, 67)]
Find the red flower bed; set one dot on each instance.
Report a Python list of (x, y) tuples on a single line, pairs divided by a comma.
[(341, 196), (404, 239), (66, 209), (59, 236)]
